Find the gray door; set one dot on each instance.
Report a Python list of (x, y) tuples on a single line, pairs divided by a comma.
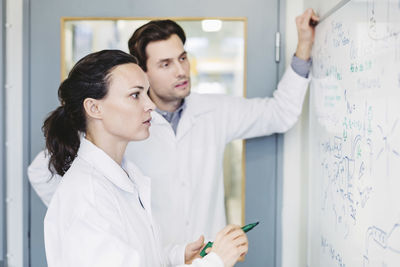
[(43, 33)]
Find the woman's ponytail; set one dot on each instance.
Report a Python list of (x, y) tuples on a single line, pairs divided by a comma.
[(62, 140)]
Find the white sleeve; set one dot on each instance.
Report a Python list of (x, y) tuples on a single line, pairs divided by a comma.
[(248, 118), (176, 257), (211, 260), (175, 254), (42, 181)]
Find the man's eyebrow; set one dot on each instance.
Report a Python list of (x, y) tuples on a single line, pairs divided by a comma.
[(164, 60), (169, 59)]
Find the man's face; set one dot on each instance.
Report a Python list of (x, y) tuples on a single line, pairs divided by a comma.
[(168, 69)]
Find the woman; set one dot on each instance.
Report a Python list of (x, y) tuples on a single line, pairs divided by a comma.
[(100, 215)]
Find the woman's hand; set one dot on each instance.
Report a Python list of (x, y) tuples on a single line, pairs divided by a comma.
[(230, 245), (192, 250)]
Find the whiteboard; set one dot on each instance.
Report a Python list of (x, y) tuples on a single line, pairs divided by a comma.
[(354, 183)]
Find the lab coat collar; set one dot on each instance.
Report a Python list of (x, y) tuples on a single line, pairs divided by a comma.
[(106, 165), (196, 105)]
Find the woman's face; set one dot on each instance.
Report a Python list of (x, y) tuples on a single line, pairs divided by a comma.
[(126, 107)]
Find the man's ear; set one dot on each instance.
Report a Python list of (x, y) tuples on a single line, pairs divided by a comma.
[(93, 108)]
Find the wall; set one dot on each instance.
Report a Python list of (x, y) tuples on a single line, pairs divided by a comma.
[(293, 203)]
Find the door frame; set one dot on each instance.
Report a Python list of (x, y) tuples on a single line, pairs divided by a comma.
[(3, 232), (280, 140), (26, 126)]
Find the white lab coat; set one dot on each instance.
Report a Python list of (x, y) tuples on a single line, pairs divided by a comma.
[(186, 168), (95, 217)]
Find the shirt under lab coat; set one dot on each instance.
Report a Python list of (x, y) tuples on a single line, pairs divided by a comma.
[(186, 167), (95, 217)]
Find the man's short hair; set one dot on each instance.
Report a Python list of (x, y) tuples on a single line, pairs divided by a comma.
[(155, 30)]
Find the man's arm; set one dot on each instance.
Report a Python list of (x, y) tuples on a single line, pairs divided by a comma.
[(42, 181), (247, 118)]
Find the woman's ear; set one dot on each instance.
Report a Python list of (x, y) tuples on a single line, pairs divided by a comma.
[(92, 108)]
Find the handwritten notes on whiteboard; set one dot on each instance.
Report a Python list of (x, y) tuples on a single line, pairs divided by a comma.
[(354, 199)]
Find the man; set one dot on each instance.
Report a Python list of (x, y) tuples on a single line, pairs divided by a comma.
[(184, 153)]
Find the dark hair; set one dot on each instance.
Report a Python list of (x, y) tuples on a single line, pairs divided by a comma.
[(89, 78), (155, 30)]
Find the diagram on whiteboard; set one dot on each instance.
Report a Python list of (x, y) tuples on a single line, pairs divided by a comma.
[(381, 245)]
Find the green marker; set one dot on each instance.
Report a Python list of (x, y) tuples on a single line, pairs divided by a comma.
[(248, 227), (245, 229)]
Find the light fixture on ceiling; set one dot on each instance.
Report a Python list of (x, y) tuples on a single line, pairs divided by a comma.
[(211, 25)]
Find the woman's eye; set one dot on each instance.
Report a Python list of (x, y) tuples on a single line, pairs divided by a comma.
[(135, 95), (183, 58), (164, 65)]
